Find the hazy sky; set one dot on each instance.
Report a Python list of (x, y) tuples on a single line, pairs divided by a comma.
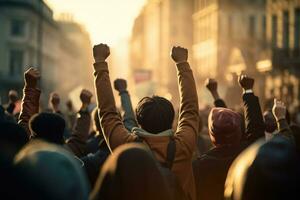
[(107, 21)]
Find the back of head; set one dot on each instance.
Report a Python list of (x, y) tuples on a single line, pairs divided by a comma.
[(48, 126), (47, 171), (224, 127), (130, 173), (265, 171), (155, 114)]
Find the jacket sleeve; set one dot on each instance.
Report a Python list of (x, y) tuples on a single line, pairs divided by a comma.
[(29, 106), (255, 126), (112, 126), (128, 117), (186, 134), (77, 141), (220, 103), (284, 129)]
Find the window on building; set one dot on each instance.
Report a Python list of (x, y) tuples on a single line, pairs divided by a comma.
[(264, 27), (297, 28), (230, 26), (286, 32), (252, 27), (274, 31), (16, 61), (17, 28)]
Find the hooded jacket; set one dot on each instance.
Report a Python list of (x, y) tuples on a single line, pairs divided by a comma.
[(185, 135)]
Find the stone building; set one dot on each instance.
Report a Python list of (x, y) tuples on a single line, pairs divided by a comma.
[(160, 25), (228, 36), (30, 36), (280, 62)]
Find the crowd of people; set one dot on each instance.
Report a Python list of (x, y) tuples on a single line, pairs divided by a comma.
[(100, 154)]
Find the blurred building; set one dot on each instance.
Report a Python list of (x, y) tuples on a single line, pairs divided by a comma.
[(228, 38), (160, 25), (280, 62), (29, 36)]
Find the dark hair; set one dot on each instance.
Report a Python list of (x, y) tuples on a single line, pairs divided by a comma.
[(155, 114), (48, 126)]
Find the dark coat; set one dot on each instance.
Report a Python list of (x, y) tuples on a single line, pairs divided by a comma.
[(210, 170)]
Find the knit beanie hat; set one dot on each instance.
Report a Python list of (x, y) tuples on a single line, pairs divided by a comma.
[(224, 126)]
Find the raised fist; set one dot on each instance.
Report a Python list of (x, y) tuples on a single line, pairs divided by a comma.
[(279, 110), (13, 96), (54, 99), (101, 52), (120, 85), (211, 85), (31, 77), (246, 82), (179, 54), (85, 97)]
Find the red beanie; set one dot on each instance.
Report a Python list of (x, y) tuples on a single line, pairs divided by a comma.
[(224, 126)]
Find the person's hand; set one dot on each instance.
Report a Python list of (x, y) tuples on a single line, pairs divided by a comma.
[(179, 54), (101, 52), (54, 101), (120, 85), (246, 82), (279, 110), (85, 97), (211, 85), (31, 77)]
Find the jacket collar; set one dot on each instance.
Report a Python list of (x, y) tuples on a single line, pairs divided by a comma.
[(142, 133)]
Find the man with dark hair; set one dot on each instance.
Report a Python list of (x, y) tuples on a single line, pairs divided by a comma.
[(47, 126), (155, 116), (158, 108), (50, 126)]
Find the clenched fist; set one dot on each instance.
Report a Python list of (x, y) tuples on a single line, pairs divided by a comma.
[(246, 82), (279, 110), (101, 52), (211, 85), (85, 97), (54, 99), (120, 85), (13, 96), (31, 77), (179, 54)]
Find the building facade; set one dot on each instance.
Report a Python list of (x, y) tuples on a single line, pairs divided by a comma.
[(160, 25), (228, 36), (30, 36), (280, 62)]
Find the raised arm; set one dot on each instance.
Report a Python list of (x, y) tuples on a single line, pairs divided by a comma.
[(255, 126), (128, 118), (54, 102), (279, 112), (80, 134), (212, 87), (189, 110), (31, 98), (112, 126)]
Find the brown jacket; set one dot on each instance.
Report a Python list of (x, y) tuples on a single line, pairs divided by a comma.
[(116, 134), (30, 106)]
